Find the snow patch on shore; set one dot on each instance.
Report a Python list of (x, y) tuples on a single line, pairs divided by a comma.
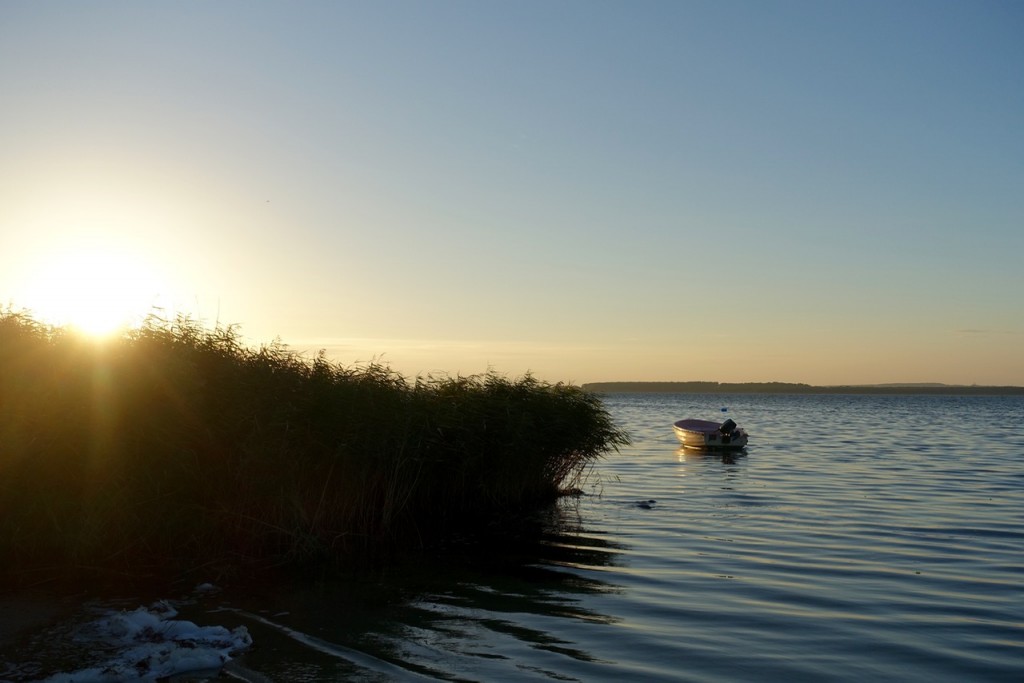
[(150, 643)]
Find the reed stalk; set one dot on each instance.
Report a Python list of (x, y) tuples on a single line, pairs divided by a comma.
[(177, 443)]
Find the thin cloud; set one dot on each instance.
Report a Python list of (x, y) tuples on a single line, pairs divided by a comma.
[(984, 331)]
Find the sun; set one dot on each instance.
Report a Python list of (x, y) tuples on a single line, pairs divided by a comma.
[(96, 291)]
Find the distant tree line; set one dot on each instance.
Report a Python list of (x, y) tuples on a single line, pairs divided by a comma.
[(795, 388)]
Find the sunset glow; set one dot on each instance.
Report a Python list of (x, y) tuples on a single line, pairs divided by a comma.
[(96, 291), (826, 193)]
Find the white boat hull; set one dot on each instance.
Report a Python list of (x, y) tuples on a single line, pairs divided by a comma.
[(707, 435)]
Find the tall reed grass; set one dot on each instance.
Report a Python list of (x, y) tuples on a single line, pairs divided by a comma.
[(177, 443)]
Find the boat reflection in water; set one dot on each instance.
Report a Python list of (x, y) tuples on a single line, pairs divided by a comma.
[(728, 457)]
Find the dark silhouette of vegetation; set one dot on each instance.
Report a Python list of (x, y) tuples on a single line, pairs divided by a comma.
[(177, 444)]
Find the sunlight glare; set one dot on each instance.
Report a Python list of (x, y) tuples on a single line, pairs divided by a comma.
[(93, 290)]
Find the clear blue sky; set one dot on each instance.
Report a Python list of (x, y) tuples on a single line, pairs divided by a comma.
[(814, 191)]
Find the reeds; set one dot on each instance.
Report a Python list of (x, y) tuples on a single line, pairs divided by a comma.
[(178, 443)]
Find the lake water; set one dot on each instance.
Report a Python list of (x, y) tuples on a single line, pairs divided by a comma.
[(858, 538)]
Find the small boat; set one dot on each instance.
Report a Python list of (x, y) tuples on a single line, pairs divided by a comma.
[(709, 434)]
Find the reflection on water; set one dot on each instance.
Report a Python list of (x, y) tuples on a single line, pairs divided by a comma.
[(469, 613), (465, 615), (698, 455), (855, 538)]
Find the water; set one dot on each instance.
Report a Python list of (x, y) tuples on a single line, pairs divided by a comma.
[(857, 538)]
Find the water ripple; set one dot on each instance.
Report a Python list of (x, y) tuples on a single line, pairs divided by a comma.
[(856, 538)]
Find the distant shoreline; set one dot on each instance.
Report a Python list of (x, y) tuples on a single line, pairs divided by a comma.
[(792, 388)]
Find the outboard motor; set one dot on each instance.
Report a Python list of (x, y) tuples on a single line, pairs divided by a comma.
[(728, 427)]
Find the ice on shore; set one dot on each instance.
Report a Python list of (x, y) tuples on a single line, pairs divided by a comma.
[(150, 643)]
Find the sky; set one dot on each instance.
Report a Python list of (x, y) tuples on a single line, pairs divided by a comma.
[(829, 192)]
